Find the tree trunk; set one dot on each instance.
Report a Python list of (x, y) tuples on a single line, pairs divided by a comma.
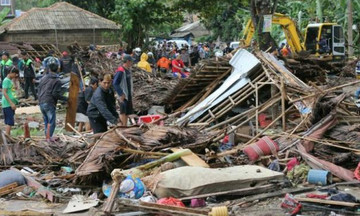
[(259, 8), (350, 31), (319, 14)]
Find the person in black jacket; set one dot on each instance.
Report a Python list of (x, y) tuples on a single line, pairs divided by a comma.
[(49, 92), (83, 101), (102, 107), (29, 75)]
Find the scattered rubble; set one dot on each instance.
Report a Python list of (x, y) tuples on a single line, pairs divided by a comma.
[(241, 131)]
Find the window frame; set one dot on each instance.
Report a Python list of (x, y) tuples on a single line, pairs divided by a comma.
[(4, 2)]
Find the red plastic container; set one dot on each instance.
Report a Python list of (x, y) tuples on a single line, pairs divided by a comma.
[(264, 121), (149, 119), (265, 146)]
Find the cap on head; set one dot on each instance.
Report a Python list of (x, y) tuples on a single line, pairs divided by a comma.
[(65, 53), (128, 58), (5, 53)]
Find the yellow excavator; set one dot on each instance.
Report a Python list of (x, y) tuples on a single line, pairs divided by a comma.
[(322, 40)]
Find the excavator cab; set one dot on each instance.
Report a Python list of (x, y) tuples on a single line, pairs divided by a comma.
[(325, 40)]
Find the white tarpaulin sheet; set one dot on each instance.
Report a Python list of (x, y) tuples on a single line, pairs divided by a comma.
[(243, 62)]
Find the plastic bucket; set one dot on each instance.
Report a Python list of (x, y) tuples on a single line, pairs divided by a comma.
[(319, 177)]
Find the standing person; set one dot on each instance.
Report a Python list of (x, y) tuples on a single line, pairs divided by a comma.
[(83, 101), (228, 49), (185, 57), (66, 63), (29, 75), (143, 64), (102, 108), (137, 53), (46, 61), (49, 92), (5, 64), (9, 100), (178, 67), (152, 61), (194, 56), (123, 85)]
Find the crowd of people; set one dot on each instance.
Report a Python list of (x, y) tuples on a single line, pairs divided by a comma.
[(96, 109), (171, 58)]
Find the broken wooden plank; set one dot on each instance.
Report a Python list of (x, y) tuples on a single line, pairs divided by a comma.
[(192, 159), (327, 202), (43, 191), (7, 187), (24, 213), (158, 208), (13, 190)]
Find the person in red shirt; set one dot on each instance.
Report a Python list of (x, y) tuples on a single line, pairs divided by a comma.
[(178, 67)]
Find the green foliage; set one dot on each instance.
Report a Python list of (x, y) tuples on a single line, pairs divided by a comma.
[(140, 18), (25, 5), (3, 13), (224, 18)]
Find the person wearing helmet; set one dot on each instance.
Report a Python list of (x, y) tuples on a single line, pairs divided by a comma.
[(46, 63), (49, 92), (66, 63), (137, 53), (5, 64)]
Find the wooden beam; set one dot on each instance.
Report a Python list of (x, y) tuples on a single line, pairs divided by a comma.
[(72, 101), (328, 202)]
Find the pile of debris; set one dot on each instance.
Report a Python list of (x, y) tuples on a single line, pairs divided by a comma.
[(149, 90), (253, 131)]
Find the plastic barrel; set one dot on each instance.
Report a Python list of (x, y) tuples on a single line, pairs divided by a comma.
[(319, 177)]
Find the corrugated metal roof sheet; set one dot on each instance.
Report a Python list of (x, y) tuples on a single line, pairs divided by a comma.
[(181, 34), (60, 16), (196, 28)]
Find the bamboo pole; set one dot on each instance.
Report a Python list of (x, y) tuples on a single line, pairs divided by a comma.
[(283, 95), (257, 108), (325, 91)]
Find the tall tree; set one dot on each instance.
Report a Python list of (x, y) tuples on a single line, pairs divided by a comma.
[(140, 17), (350, 31), (319, 12)]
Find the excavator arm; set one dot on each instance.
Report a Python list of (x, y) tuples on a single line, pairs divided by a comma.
[(292, 34)]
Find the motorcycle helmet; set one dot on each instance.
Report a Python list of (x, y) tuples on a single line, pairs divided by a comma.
[(137, 51), (53, 64)]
